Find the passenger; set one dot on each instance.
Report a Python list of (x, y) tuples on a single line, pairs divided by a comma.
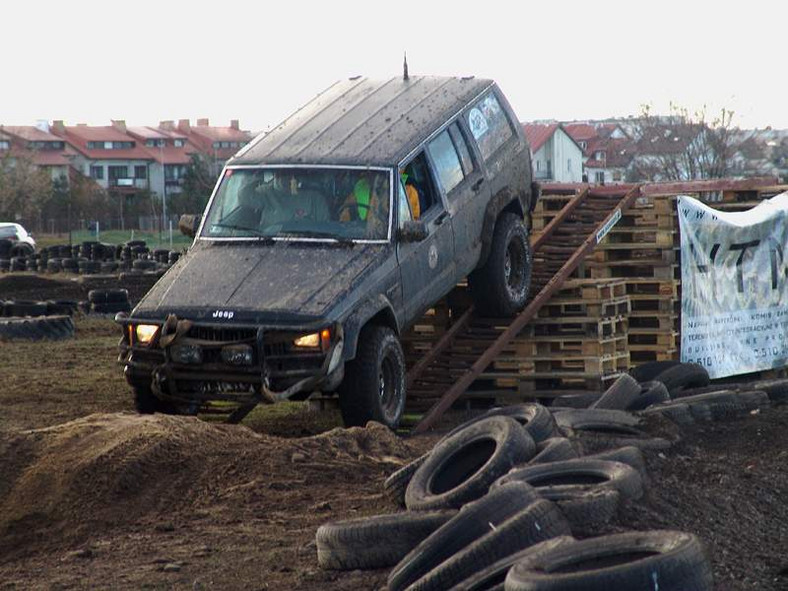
[(368, 202), (413, 195)]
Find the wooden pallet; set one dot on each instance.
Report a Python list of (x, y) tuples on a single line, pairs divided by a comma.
[(598, 328)]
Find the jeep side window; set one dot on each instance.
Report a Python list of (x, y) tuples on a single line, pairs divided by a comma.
[(462, 148), (447, 161), (404, 207), (489, 125), (418, 176)]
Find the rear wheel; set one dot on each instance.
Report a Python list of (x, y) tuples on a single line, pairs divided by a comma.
[(374, 385), (500, 287)]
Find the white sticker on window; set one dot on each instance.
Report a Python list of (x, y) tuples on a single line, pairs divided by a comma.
[(477, 122)]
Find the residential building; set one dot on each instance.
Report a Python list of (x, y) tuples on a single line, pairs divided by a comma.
[(170, 153), (108, 155), (216, 144), (42, 148), (607, 150), (554, 154)]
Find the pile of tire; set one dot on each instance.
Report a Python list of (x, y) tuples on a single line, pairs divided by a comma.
[(497, 503), (37, 320), (681, 392), (108, 301), (89, 258)]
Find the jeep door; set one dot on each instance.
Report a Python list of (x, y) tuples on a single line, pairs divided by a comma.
[(465, 190), (427, 267)]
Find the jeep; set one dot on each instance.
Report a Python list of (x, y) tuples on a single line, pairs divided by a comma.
[(326, 238)]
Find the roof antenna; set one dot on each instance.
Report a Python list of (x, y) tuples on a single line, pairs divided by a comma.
[(405, 67)]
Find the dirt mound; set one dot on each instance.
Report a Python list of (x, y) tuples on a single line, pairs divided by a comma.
[(79, 478)]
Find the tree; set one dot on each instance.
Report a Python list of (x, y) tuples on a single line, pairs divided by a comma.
[(24, 189), (683, 146), (198, 182)]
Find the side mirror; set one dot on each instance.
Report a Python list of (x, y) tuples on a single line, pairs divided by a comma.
[(413, 231), (188, 224)]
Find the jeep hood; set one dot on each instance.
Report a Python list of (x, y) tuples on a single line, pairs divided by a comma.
[(294, 278)]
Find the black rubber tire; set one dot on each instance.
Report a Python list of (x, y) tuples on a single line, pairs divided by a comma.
[(147, 403), (22, 308), (777, 390), (536, 419), (603, 429), (664, 560), (492, 578), (646, 372), (579, 474), (462, 467), (590, 418), (554, 449), (36, 329), (650, 393), (395, 485), (492, 286), (587, 511), (629, 455), (374, 542), (538, 522), (110, 308), (683, 376), (471, 523), (678, 412), (379, 360), (578, 400), (62, 307), (108, 296), (723, 405), (619, 395)]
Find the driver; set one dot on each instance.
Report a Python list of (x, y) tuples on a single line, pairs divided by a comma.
[(365, 204), (289, 201)]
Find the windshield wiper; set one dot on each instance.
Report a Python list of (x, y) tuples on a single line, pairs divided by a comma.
[(317, 234), (257, 233)]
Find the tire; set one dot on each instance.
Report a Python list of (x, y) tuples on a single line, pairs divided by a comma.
[(596, 418), (110, 308), (471, 523), (664, 560), (603, 429), (492, 578), (379, 365), (587, 511), (538, 522), (629, 455), (462, 467), (108, 296), (62, 307), (535, 418), (147, 403), (650, 393), (720, 406), (678, 412), (582, 400), (23, 308), (777, 390), (620, 394), (581, 474), (646, 372), (374, 542), (500, 287), (682, 377), (36, 329), (395, 485), (555, 449)]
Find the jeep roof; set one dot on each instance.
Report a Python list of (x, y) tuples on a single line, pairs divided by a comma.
[(364, 121)]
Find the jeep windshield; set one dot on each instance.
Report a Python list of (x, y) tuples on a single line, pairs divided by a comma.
[(302, 203)]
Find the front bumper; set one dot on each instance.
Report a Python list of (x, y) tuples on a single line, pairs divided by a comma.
[(277, 370)]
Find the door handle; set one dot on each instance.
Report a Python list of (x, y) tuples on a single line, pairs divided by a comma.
[(441, 218), (477, 185)]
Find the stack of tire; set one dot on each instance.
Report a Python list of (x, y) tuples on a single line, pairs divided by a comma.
[(682, 393), (33, 320), (108, 301), (495, 505)]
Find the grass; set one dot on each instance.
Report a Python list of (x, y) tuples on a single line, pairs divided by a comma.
[(152, 239)]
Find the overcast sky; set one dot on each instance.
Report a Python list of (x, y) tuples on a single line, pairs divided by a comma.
[(145, 61)]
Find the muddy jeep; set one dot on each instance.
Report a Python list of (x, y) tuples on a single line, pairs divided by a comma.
[(326, 238)]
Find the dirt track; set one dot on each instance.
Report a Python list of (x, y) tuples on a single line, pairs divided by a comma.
[(115, 500)]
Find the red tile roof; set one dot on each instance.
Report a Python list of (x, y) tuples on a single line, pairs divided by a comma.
[(169, 153), (30, 133), (537, 134), (79, 136), (581, 131)]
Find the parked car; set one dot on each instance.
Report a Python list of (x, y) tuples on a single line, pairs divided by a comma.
[(21, 242), (327, 237)]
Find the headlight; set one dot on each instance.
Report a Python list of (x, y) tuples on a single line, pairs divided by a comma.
[(186, 354), (146, 332), (315, 340), (237, 354)]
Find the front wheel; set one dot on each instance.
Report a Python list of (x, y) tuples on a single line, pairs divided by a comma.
[(146, 402), (500, 287), (374, 385)]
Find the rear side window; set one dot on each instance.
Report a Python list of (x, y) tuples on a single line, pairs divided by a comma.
[(447, 161), (489, 125)]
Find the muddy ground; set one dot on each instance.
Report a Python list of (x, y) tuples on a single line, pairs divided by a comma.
[(94, 496)]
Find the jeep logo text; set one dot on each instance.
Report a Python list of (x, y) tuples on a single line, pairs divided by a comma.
[(226, 314)]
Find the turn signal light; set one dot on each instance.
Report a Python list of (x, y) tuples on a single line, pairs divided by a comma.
[(145, 333)]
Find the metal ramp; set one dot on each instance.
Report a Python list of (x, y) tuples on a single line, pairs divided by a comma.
[(469, 346)]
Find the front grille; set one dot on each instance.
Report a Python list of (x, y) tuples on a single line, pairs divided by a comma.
[(222, 334)]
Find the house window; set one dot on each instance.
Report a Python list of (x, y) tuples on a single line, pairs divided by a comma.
[(583, 145), (97, 172), (599, 155), (179, 143), (154, 143), (5, 145), (538, 165), (217, 145), (140, 172), (599, 177), (117, 172), (489, 125), (569, 165)]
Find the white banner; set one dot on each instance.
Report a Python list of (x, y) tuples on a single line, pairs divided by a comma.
[(734, 296)]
